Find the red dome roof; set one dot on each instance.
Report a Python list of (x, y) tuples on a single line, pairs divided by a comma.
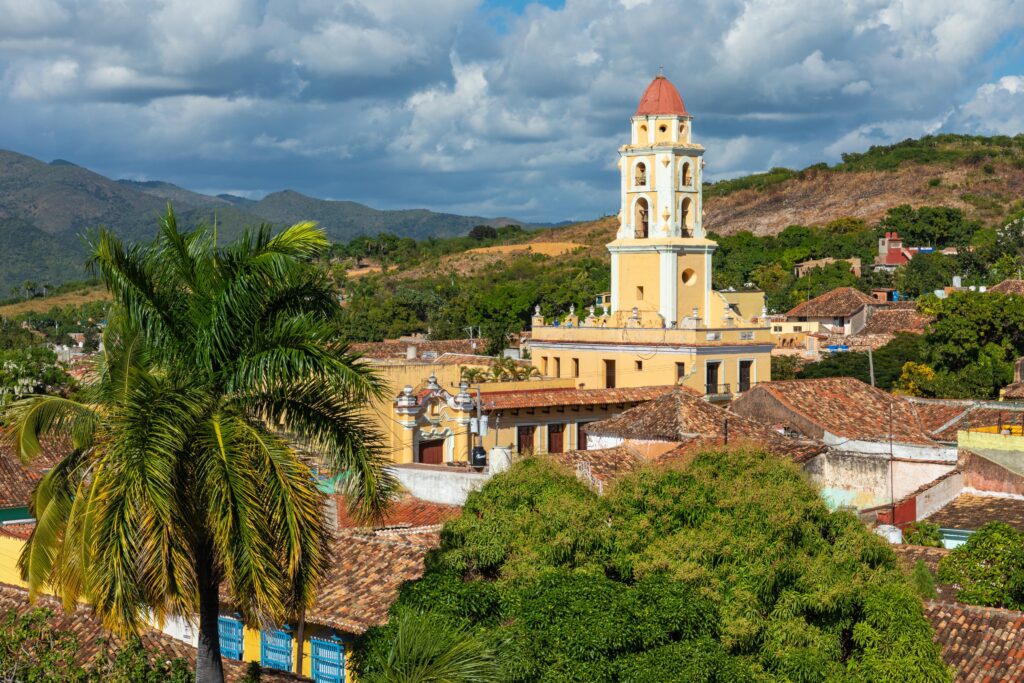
[(661, 98)]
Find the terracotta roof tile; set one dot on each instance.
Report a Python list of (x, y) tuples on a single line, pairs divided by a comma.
[(983, 644), (909, 555), (942, 418), (17, 480), (19, 531), (892, 320), (840, 302), (1014, 391), (684, 417), (407, 512), (1009, 286), (971, 512), (661, 97), (366, 571), (543, 398), (601, 466), (849, 408)]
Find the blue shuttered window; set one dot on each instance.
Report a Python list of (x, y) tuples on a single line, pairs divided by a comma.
[(327, 660), (276, 650), (231, 638)]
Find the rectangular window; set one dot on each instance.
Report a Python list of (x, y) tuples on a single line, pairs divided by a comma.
[(746, 335), (276, 650), (544, 365), (327, 660), (609, 374), (558, 367), (639, 293), (798, 328), (231, 637), (638, 365), (680, 372), (556, 438), (524, 438), (575, 367)]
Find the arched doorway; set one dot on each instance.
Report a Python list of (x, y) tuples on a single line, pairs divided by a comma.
[(640, 218)]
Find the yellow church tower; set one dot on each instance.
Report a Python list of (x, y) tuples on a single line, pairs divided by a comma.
[(666, 324), (661, 261)]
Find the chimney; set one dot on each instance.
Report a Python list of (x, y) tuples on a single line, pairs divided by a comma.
[(410, 353)]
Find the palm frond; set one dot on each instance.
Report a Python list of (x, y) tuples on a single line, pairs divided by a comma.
[(34, 416), (427, 648)]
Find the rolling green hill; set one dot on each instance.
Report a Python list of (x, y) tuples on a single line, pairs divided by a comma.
[(46, 208)]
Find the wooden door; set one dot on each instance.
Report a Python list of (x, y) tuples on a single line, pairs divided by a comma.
[(581, 437), (432, 452), (525, 438), (556, 438)]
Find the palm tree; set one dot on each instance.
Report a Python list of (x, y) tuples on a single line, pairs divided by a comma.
[(474, 375), (426, 648), (183, 478)]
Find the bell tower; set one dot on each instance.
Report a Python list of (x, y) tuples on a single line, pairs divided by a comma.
[(661, 260)]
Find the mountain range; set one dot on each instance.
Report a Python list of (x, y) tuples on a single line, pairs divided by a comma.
[(46, 208)]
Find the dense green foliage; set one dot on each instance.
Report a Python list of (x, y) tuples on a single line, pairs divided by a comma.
[(33, 651), (989, 568), (31, 370), (923, 533), (970, 347), (946, 149), (731, 570), (500, 300), (405, 252), (889, 361)]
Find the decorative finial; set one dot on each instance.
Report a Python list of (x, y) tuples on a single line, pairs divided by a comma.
[(572, 309), (536, 309)]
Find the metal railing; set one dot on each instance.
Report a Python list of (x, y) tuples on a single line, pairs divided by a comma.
[(712, 389)]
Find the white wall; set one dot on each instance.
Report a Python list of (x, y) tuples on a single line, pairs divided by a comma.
[(439, 486)]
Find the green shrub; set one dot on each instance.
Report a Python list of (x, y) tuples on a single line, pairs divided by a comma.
[(922, 533), (923, 581), (934, 182), (989, 568)]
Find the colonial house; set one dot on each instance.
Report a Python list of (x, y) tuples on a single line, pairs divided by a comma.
[(879, 449), (842, 311)]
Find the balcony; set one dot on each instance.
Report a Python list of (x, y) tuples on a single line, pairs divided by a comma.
[(717, 392)]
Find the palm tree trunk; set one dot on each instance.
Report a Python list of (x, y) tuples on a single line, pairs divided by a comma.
[(209, 667)]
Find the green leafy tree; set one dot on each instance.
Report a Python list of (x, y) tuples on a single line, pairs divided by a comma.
[(730, 569), (926, 273), (937, 226), (182, 480), (989, 568), (889, 362), (483, 232)]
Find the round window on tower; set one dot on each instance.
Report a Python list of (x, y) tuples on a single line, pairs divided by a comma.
[(663, 128), (689, 277)]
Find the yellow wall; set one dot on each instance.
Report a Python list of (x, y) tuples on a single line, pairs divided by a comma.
[(251, 646), (10, 550), (749, 303), (639, 270)]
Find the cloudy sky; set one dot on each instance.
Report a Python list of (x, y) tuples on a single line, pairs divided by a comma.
[(491, 107)]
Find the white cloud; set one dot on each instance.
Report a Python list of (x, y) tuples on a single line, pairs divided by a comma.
[(311, 93)]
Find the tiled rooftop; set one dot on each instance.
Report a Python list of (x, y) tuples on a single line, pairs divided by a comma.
[(840, 302), (683, 417), (19, 531), (18, 480), (849, 408), (971, 512), (407, 512), (891, 320), (1014, 391), (545, 398), (599, 467), (1009, 286), (89, 630), (366, 570), (396, 349), (983, 644)]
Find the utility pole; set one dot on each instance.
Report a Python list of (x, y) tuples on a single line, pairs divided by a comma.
[(871, 365), (725, 431)]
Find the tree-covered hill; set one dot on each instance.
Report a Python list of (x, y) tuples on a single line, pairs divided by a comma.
[(46, 207)]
